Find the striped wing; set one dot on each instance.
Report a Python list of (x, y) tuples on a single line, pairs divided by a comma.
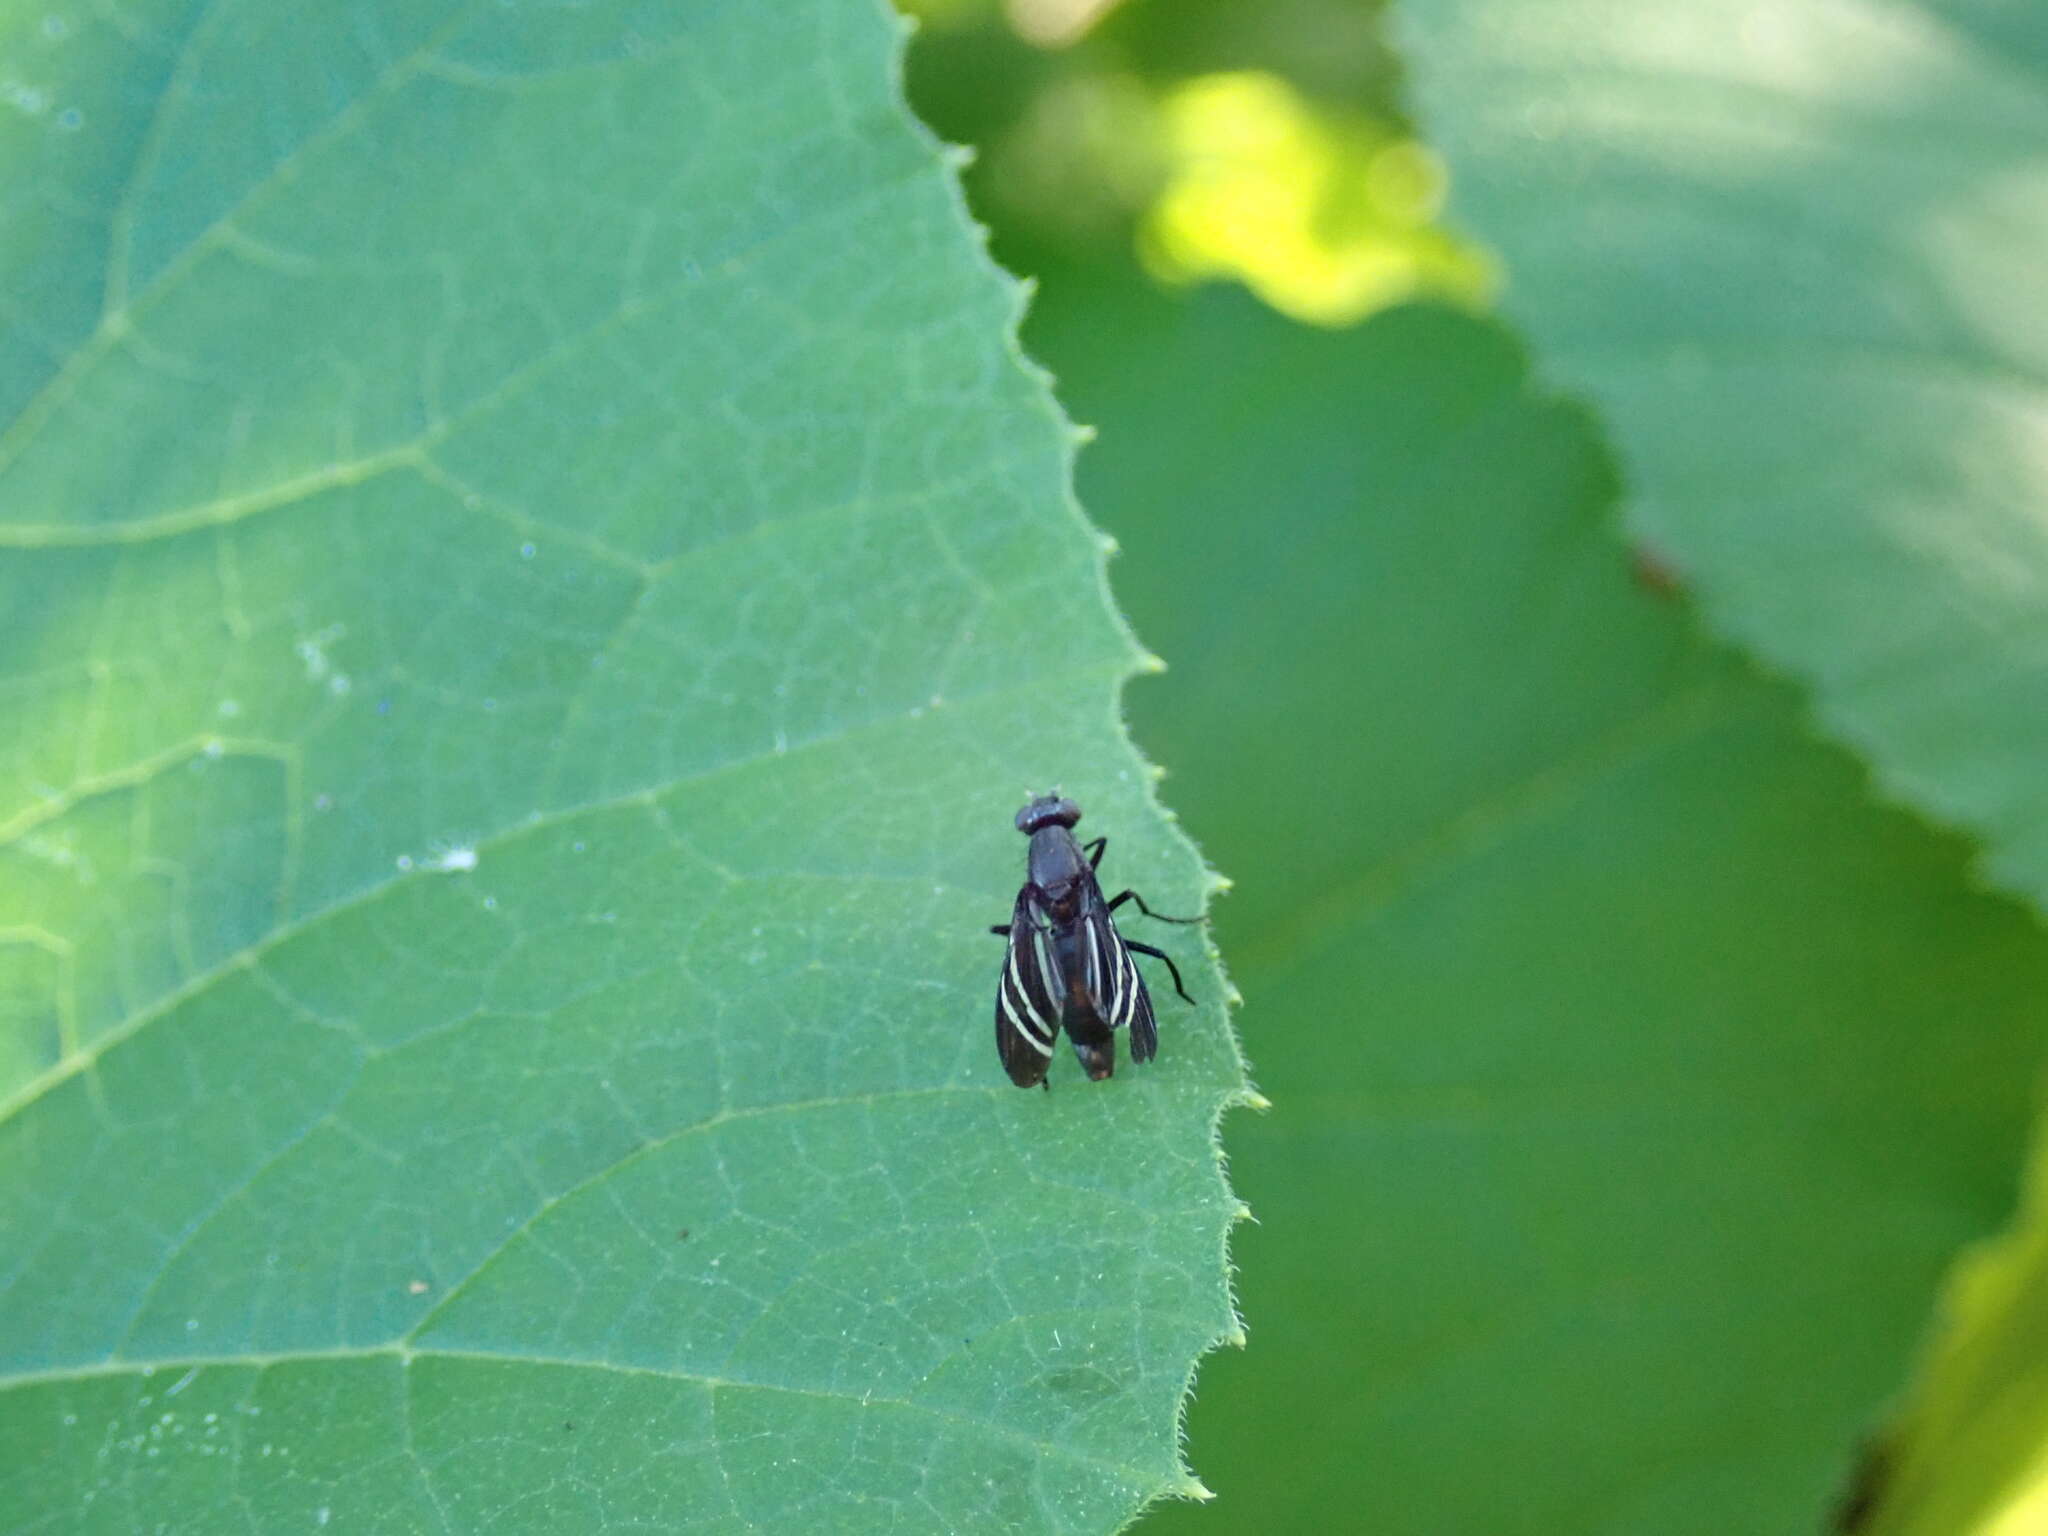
[(1027, 995), (1111, 977)]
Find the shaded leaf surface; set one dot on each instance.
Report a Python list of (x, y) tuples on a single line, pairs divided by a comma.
[(1633, 1078), (1816, 333), (1794, 254), (519, 526)]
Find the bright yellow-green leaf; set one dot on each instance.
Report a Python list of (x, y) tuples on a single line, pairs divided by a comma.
[(1326, 218), (1970, 1454)]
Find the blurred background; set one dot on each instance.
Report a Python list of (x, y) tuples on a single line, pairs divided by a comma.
[(1635, 1076), (1197, 140)]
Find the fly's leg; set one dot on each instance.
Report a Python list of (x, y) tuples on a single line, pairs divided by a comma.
[(1160, 954), (1125, 896)]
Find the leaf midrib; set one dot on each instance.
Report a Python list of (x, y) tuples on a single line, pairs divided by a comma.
[(649, 797), (405, 1354)]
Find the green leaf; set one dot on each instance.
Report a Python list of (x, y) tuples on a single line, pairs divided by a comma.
[(1816, 334), (1793, 252), (1633, 1077), (534, 581)]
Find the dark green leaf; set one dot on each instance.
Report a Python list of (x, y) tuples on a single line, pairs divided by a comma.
[(1633, 1078)]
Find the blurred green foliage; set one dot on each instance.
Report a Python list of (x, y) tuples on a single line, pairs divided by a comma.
[(1818, 357), (1225, 150), (1635, 1077)]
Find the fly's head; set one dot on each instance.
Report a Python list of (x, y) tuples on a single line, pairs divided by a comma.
[(1047, 811)]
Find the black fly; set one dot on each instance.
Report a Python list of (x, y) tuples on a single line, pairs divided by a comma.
[(1067, 967)]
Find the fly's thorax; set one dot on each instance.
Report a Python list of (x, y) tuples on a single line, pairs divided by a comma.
[(1057, 868)]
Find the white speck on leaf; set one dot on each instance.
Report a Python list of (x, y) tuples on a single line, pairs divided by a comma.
[(26, 97), (313, 651)]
